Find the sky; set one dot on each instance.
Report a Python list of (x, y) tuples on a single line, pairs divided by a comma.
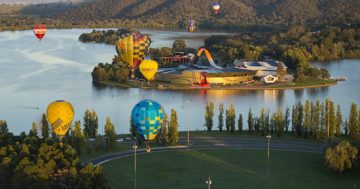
[(35, 1)]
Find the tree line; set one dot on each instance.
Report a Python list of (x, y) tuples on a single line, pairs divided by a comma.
[(317, 120)]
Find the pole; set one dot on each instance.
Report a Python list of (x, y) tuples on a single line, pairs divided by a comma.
[(208, 182), (135, 147), (188, 125)]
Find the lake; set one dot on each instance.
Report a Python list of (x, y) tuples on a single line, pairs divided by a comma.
[(34, 73)]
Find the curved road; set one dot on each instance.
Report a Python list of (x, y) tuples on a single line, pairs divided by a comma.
[(224, 143)]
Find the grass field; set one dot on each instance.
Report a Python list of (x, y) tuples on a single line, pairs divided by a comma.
[(227, 169)]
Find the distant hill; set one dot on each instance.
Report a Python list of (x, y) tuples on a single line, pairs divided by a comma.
[(232, 12), (37, 1)]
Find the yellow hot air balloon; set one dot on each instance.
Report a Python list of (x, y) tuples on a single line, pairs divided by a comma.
[(149, 68), (132, 48), (60, 114)]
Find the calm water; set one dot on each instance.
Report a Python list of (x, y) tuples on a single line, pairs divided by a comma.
[(33, 74)]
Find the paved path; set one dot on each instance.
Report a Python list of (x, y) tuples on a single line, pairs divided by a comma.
[(224, 143)]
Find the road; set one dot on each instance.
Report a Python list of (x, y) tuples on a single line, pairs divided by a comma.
[(224, 143)]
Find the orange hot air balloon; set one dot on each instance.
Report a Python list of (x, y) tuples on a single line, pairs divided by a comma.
[(39, 31)]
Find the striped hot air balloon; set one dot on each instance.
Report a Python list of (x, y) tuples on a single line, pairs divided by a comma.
[(191, 25), (39, 31), (215, 7), (133, 48)]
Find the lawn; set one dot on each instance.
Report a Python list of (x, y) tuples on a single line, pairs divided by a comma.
[(227, 169)]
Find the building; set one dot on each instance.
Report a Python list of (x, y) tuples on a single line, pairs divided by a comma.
[(263, 68), (191, 74)]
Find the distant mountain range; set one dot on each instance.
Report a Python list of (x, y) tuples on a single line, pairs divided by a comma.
[(37, 1), (232, 12)]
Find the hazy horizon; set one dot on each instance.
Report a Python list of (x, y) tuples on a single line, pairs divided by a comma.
[(36, 1)]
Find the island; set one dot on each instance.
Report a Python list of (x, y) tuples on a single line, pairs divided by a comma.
[(273, 60)]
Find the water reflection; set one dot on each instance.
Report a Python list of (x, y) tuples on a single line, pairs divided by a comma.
[(29, 82)]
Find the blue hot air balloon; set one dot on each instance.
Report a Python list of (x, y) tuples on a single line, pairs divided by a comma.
[(147, 118)]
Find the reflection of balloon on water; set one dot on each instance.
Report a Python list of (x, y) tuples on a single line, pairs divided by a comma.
[(148, 68), (215, 6), (147, 118), (39, 31), (60, 114), (132, 48)]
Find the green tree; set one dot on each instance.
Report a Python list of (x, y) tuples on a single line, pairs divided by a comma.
[(281, 71), (221, 117), (240, 123), (316, 123), (132, 128), (110, 133), (34, 130), (91, 123), (250, 122), (332, 119), (230, 117), (286, 119), (209, 114), (45, 128), (163, 135), (179, 45), (338, 121), (298, 119), (307, 118), (279, 123), (341, 157), (300, 76), (262, 120), (77, 137), (173, 135), (354, 129)]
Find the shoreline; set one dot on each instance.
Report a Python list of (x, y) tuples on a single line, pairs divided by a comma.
[(160, 86)]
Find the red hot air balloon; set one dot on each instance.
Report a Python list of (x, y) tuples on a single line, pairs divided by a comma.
[(39, 31)]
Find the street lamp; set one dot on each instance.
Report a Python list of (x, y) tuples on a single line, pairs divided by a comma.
[(268, 153), (208, 182), (268, 137), (135, 147)]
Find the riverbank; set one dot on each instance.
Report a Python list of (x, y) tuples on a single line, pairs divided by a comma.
[(166, 86)]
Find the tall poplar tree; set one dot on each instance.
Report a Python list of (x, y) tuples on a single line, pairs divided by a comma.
[(250, 122), (240, 123), (338, 121), (173, 134), (209, 114), (221, 117), (45, 128), (110, 133)]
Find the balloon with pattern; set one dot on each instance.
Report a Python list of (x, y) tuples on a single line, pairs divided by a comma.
[(132, 48), (148, 69), (215, 6), (147, 118), (40, 31), (191, 25), (60, 114)]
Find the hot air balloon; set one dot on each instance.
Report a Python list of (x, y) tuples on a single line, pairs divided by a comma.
[(147, 118), (39, 31), (132, 48), (148, 68), (191, 26), (60, 114), (215, 6)]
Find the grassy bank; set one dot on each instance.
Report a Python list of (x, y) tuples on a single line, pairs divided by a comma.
[(227, 169), (310, 83)]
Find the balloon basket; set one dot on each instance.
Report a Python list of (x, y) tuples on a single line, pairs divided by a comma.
[(148, 149)]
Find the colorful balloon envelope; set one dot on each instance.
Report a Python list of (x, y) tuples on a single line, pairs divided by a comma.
[(191, 25), (148, 69), (39, 31), (147, 118), (60, 114), (133, 48), (215, 6)]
